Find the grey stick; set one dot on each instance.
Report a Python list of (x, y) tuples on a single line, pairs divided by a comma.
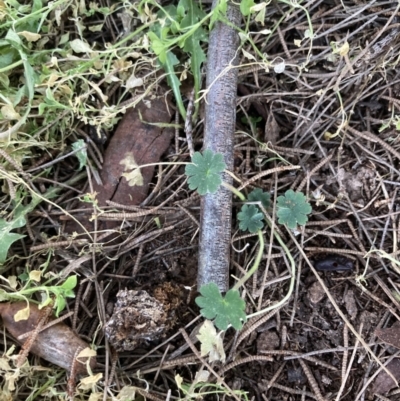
[(220, 112)]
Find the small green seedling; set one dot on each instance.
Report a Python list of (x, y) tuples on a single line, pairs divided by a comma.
[(250, 217), (56, 293), (292, 209), (180, 26)]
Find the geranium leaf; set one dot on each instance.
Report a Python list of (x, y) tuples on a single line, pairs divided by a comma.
[(293, 209), (228, 310), (259, 196), (204, 172), (250, 218)]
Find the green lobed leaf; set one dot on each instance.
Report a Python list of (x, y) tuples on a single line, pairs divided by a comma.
[(4, 296), (155, 43), (250, 218), (292, 209), (204, 172), (29, 76), (7, 56), (259, 196), (13, 38), (228, 310)]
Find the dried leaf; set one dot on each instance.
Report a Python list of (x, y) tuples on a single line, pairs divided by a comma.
[(202, 376), (132, 172), (12, 282), (127, 393), (383, 382), (22, 314), (79, 46), (272, 129), (211, 342), (179, 380), (133, 82), (248, 55), (95, 396), (145, 142), (4, 365), (390, 335), (10, 378), (9, 113), (30, 36), (351, 304), (87, 382), (86, 353), (35, 275)]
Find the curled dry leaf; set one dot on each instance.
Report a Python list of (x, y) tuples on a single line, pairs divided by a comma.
[(57, 344)]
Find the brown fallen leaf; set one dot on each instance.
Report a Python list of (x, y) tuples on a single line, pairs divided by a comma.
[(139, 139), (390, 335), (383, 383), (57, 344)]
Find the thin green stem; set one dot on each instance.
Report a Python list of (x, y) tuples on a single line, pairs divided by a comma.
[(234, 191), (11, 66), (255, 265), (292, 280)]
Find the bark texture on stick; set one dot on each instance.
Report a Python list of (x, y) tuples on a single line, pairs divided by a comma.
[(220, 119)]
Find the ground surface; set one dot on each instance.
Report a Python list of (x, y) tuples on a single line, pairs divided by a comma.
[(330, 107)]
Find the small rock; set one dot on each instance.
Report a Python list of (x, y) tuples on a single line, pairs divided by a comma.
[(316, 293), (350, 304), (268, 340), (296, 375)]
